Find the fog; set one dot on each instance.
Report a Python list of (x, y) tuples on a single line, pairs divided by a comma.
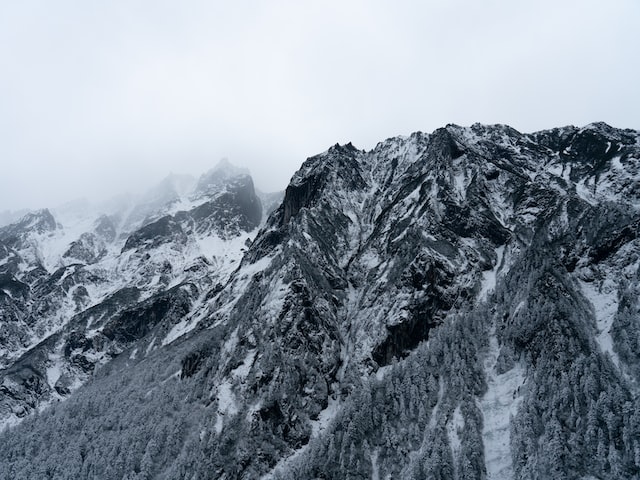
[(98, 98)]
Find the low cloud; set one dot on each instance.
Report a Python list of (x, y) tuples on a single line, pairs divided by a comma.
[(101, 97)]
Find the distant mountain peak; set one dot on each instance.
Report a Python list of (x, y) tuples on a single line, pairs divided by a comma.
[(224, 165), (39, 221), (219, 175)]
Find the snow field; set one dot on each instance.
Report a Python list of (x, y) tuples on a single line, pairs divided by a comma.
[(498, 405)]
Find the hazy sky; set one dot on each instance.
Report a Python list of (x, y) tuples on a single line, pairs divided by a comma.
[(107, 96)]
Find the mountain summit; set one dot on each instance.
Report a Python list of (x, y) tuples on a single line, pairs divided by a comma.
[(459, 304)]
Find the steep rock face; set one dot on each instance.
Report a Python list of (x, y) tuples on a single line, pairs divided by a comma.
[(461, 304), (371, 252), (154, 234), (236, 209)]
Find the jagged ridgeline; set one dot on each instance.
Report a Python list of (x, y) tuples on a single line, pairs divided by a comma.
[(455, 305)]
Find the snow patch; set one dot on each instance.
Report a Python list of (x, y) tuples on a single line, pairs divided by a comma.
[(375, 468), (605, 306), (273, 302), (616, 163), (382, 371), (556, 170), (150, 347), (243, 370), (489, 278), (433, 420), (226, 254), (461, 188), (324, 419), (455, 424), (585, 193), (370, 260), (9, 421), (230, 344), (183, 326), (241, 279), (498, 405), (54, 371), (226, 404)]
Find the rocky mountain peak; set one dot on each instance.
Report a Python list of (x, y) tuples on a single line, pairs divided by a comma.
[(39, 221)]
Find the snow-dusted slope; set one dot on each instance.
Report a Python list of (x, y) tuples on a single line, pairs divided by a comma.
[(460, 304), (69, 277)]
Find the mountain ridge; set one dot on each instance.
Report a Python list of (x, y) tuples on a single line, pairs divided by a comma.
[(395, 307)]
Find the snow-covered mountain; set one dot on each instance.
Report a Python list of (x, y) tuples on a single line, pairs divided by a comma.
[(74, 293), (460, 304)]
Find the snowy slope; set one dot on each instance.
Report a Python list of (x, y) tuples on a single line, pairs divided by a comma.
[(79, 271)]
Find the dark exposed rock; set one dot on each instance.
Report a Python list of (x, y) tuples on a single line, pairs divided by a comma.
[(192, 363), (161, 231), (11, 286), (133, 324), (87, 249)]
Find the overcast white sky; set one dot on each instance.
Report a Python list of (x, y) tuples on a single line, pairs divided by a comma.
[(108, 96)]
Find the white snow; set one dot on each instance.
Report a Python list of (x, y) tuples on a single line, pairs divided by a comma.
[(413, 197), (555, 169), (150, 347), (458, 181), (498, 405), (219, 423), (273, 302), (50, 246), (324, 419), (173, 376), (585, 193), (455, 424), (225, 253), (382, 371), (183, 326), (604, 300), (9, 421), (489, 278), (130, 268), (226, 404), (54, 371), (226, 399), (375, 468), (370, 260), (433, 420), (188, 323), (241, 279), (616, 163), (229, 345), (243, 370)]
